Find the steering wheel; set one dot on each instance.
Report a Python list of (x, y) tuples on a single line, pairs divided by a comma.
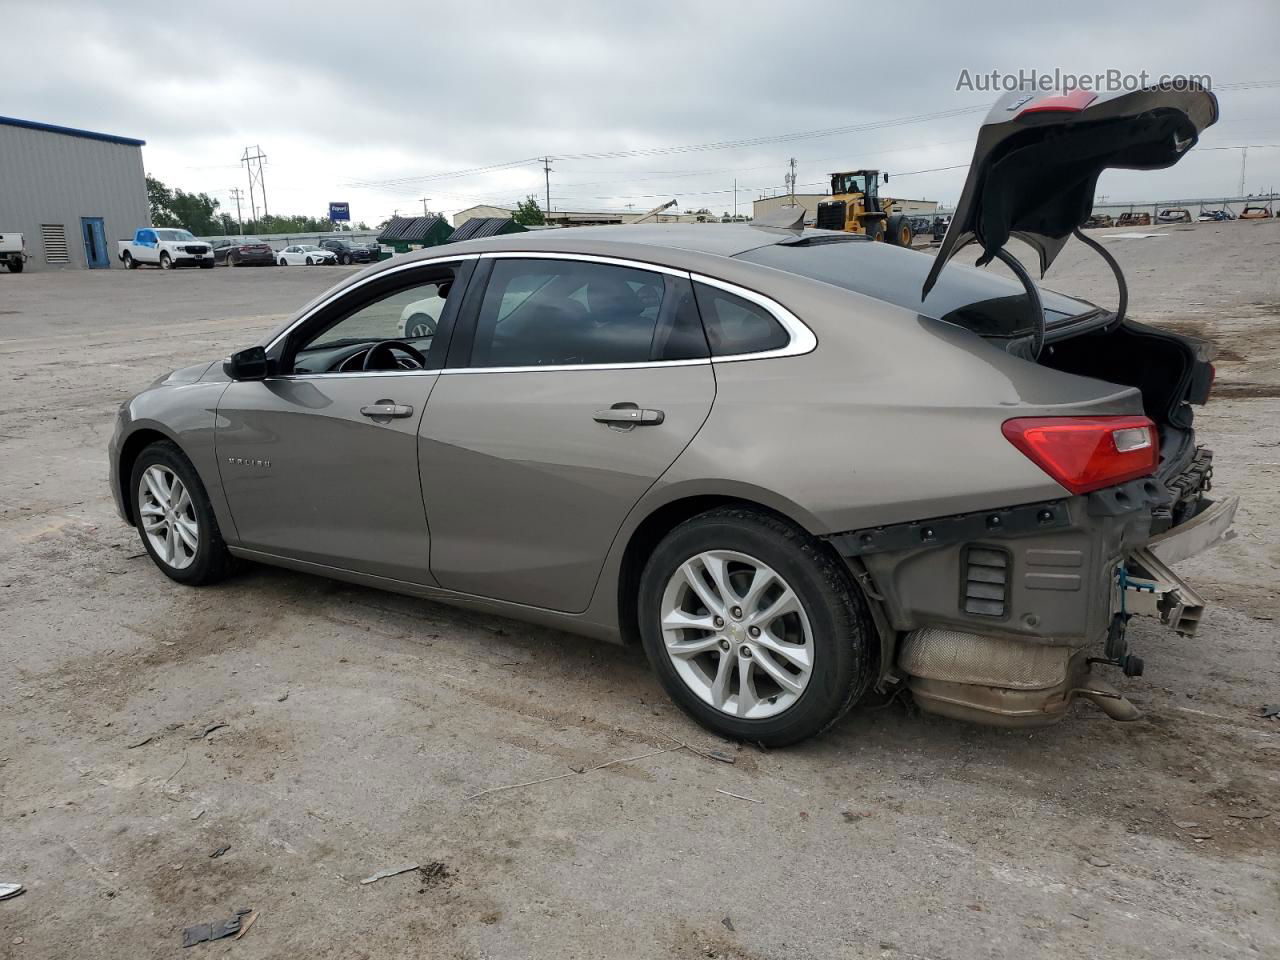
[(387, 348)]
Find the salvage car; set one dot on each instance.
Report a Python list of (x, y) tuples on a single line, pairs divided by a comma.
[(795, 465), (348, 252)]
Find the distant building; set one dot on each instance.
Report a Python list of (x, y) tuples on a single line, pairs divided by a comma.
[(581, 218), (810, 203), (71, 193)]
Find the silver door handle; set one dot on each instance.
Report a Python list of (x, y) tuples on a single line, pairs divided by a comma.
[(387, 410), (629, 416)]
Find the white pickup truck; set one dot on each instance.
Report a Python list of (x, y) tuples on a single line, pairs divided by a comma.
[(165, 247), (13, 251)]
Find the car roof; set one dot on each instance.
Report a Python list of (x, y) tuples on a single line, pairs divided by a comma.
[(717, 239)]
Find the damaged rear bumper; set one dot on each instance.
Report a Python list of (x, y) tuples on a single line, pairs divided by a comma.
[(999, 616)]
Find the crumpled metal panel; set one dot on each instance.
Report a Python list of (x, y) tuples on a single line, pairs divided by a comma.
[(959, 657)]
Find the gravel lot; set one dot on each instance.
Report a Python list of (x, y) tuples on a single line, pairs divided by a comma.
[(357, 723)]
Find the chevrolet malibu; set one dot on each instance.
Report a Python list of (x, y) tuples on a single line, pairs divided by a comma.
[(797, 466)]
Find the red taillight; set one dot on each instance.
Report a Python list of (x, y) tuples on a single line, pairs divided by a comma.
[(1072, 102), (1087, 453)]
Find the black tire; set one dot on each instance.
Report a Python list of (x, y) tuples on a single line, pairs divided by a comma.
[(899, 230), (420, 325), (166, 262), (231, 261), (284, 262), (129, 262), (309, 261), (875, 230), (212, 562), (843, 634), (16, 265), (346, 260)]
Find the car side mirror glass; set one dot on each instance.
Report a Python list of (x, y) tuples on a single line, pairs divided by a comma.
[(247, 364)]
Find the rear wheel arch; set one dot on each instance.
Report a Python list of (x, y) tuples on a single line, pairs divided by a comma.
[(647, 534)]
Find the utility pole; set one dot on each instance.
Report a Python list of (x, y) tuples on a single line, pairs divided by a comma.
[(1244, 155), (546, 168), (735, 199), (424, 206), (253, 164), (791, 180), (237, 195)]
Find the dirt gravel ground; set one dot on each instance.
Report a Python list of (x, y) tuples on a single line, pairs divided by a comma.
[(358, 723)]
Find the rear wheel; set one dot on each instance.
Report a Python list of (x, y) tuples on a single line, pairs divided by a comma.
[(129, 262), (420, 325), (754, 628), (875, 230), (346, 260), (16, 265), (166, 262), (175, 519)]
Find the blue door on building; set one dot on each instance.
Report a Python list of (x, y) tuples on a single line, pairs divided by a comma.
[(95, 242)]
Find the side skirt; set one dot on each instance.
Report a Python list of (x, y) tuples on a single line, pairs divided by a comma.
[(568, 622)]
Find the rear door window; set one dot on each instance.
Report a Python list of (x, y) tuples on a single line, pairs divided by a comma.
[(551, 312)]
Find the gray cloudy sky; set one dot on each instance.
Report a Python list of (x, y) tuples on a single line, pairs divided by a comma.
[(343, 95)]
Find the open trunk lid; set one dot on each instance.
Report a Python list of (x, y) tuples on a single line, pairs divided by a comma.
[(1039, 156)]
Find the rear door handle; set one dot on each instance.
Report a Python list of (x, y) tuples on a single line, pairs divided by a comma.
[(629, 416), (387, 410)]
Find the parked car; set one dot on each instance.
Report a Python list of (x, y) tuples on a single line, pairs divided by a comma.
[(305, 253), (1255, 213), (13, 251), (348, 252), (1099, 220), (239, 251), (165, 247), (1133, 220), (793, 465), (421, 318), (1214, 216), (1174, 215)]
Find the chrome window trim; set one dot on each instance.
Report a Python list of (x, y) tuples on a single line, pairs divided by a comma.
[(566, 367), (456, 258), (350, 374), (802, 340), (586, 258)]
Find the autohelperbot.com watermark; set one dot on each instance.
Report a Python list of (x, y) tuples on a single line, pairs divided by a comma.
[(1046, 81)]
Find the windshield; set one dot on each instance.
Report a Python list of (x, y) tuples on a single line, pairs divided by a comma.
[(307, 246), (174, 235), (979, 300)]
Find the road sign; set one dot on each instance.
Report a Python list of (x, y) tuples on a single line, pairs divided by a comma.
[(340, 211)]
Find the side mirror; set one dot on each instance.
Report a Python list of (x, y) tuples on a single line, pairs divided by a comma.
[(248, 364)]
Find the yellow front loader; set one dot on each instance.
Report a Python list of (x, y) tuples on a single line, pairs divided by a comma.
[(857, 207)]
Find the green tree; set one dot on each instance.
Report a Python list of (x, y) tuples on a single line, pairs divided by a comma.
[(197, 212), (159, 198), (529, 213)]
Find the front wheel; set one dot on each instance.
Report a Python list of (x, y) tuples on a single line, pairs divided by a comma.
[(129, 262), (16, 265), (346, 259), (166, 262), (755, 629), (308, 261), (175, 518), (284, 262)]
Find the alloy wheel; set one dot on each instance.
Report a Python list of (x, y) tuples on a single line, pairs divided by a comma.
[(168, 516), (737, 634)]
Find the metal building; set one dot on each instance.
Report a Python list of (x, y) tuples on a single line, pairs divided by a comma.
[(70, 193)]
